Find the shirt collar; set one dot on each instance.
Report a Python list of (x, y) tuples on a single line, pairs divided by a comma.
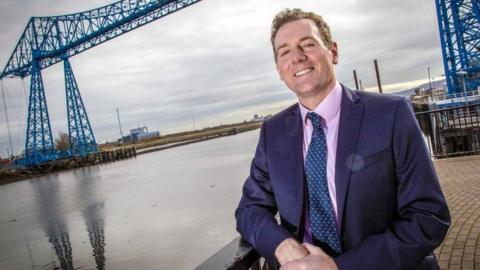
[(328, 108)]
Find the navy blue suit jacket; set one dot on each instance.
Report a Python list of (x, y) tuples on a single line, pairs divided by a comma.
[(391, 210)]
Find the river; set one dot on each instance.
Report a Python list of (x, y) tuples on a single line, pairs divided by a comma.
[(170, 209)]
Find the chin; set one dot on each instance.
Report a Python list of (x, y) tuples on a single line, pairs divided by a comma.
[(306, 90)]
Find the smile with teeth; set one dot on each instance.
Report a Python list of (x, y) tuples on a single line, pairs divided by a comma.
[(303, 72)]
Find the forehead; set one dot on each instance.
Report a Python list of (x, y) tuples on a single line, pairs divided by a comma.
[(296, 30)]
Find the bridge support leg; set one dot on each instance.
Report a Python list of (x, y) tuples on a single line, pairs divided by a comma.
[(39, 146), (459, 28), (81, 139)]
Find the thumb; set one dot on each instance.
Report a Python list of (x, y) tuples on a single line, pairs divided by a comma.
[(314, 249)]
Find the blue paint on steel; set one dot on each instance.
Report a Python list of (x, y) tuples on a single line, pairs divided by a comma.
[(57, 37), (459, 26), (38, 144), (80, 135), (49, 40)]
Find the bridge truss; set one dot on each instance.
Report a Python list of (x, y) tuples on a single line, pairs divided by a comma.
[(49, 40), (459, 25)]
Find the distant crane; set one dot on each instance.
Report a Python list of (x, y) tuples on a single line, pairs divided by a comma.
[(459, 25), (49, 40)]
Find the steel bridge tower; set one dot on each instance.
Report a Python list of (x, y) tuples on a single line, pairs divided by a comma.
[(459, 26), (49, 40), (80, 134)]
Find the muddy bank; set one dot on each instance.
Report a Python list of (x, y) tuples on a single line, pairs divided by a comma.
[(13, 174)]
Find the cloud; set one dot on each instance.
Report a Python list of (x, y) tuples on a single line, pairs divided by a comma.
[(212, 62)]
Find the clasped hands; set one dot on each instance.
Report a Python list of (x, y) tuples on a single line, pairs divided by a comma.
[(295, 256)]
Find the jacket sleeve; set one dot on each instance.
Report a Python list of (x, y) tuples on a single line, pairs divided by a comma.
[(256, 211), (422, 217)]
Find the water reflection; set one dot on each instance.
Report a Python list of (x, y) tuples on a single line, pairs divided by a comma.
[(96, 232), (93, 213), (52, 216), (52, 219)]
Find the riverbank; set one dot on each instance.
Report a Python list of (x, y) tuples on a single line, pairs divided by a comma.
[(182, 138), (11, 174), (14, 174)]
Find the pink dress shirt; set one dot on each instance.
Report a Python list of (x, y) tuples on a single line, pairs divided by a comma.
[(329, 110)]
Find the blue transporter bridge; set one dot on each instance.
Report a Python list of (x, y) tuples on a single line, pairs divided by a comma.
[(459, 26), (49, 40)]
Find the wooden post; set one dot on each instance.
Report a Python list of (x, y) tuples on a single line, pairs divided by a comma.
[(378, 76), (356, 79)]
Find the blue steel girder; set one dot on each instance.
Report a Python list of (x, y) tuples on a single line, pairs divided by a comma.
[(476, 9), (38, 144), (80, 135), (52, 39), (459, 25)]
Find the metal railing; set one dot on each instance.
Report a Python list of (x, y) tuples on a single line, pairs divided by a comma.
[(236, 255), (469, 95), (453, 131)]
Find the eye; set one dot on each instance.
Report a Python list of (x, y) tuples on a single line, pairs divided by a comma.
[(308, 44), (284, 52)]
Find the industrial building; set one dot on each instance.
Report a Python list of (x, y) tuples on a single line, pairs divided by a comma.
[(138, 134)]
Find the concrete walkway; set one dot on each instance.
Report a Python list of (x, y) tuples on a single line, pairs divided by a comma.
[(460, 180)]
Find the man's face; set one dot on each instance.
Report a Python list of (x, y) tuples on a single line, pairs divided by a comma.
[(303, 61)]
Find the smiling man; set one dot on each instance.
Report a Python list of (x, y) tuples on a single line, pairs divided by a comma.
[(347, 172)]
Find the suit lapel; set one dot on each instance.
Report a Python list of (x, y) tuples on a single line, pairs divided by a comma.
[(294, 138), (348, 132)]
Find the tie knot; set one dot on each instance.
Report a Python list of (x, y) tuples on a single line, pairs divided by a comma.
[(315, 119)]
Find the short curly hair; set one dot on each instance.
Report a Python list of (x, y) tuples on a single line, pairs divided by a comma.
[(289, 15)]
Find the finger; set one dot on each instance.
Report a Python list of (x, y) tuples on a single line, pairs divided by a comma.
[(294, 265), (314, 249), (289, 250)]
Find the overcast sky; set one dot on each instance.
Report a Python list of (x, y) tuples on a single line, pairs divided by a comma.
[(212, 63)]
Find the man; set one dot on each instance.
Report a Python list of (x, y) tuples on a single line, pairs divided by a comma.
[(347, 171)]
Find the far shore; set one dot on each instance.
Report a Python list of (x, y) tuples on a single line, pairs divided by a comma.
[(182, 138), (9, 174)]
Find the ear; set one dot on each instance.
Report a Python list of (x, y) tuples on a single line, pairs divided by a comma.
[(334, 51)]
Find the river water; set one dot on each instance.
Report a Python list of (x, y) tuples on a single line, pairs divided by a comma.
[(170, 209)]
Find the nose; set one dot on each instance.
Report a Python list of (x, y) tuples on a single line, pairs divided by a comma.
[(298, 54)]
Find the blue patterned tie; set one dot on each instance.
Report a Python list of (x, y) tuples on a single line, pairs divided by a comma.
[(320, 207)]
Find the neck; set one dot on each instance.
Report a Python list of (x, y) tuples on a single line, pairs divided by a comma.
[(312, 101)]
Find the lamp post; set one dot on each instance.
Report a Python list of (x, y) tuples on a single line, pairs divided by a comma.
[(463, 73), (120, 127), (429, 79), (430, 83)]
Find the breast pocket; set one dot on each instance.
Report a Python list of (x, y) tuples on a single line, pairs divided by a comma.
[(361, 163)]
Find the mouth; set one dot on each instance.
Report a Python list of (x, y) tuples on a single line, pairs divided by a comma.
[(303, 72)]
